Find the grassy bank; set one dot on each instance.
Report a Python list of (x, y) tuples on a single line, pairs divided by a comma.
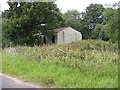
[(84, 64)]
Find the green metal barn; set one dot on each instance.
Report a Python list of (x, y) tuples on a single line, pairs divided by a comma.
[(61, 36)]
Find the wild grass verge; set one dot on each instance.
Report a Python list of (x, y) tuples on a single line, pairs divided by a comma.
[(84, 64)]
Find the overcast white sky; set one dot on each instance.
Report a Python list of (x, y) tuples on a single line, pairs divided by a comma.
[(65, 5)]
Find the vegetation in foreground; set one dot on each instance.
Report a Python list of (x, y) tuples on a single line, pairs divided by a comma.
[(84, 64)]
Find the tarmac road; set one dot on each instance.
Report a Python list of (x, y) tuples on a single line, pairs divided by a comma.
[(10, 82)]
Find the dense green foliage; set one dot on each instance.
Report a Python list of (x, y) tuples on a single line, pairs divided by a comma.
[(96, 23), (74, 18), (111, 26), (24, 19), (86, 21), (84, 64), (6, 42)]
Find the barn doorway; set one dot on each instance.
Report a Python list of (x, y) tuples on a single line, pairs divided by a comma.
[(44, 40), (53, 39)]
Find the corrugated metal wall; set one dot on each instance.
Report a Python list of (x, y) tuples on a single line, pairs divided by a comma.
[(68, 35)]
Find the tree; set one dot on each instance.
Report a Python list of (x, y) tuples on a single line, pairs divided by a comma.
[(93, 16), (111, 23), (94, 13), (26, 19), (74, 14), (108, 30), (85, 22), (100, 32), (5, 36), (74, 19)]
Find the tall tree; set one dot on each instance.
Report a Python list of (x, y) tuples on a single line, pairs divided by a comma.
[(111, 23), (5, 35), (73, 18), (93, 17), (25, 19)]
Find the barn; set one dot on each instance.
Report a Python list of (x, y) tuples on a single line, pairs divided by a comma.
[(61, 36)]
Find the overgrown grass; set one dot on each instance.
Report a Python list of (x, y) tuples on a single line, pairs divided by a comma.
[(84, 64)]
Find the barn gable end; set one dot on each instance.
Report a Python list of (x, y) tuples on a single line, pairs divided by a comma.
[(68, 35), (62, 36)]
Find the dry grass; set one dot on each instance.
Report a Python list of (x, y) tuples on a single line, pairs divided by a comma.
[(84, 64)]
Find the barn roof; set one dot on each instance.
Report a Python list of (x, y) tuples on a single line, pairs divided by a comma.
[(55, 30), (60, 29)]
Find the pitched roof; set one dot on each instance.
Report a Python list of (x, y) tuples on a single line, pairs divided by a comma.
[(55, 30), (60, 29)]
